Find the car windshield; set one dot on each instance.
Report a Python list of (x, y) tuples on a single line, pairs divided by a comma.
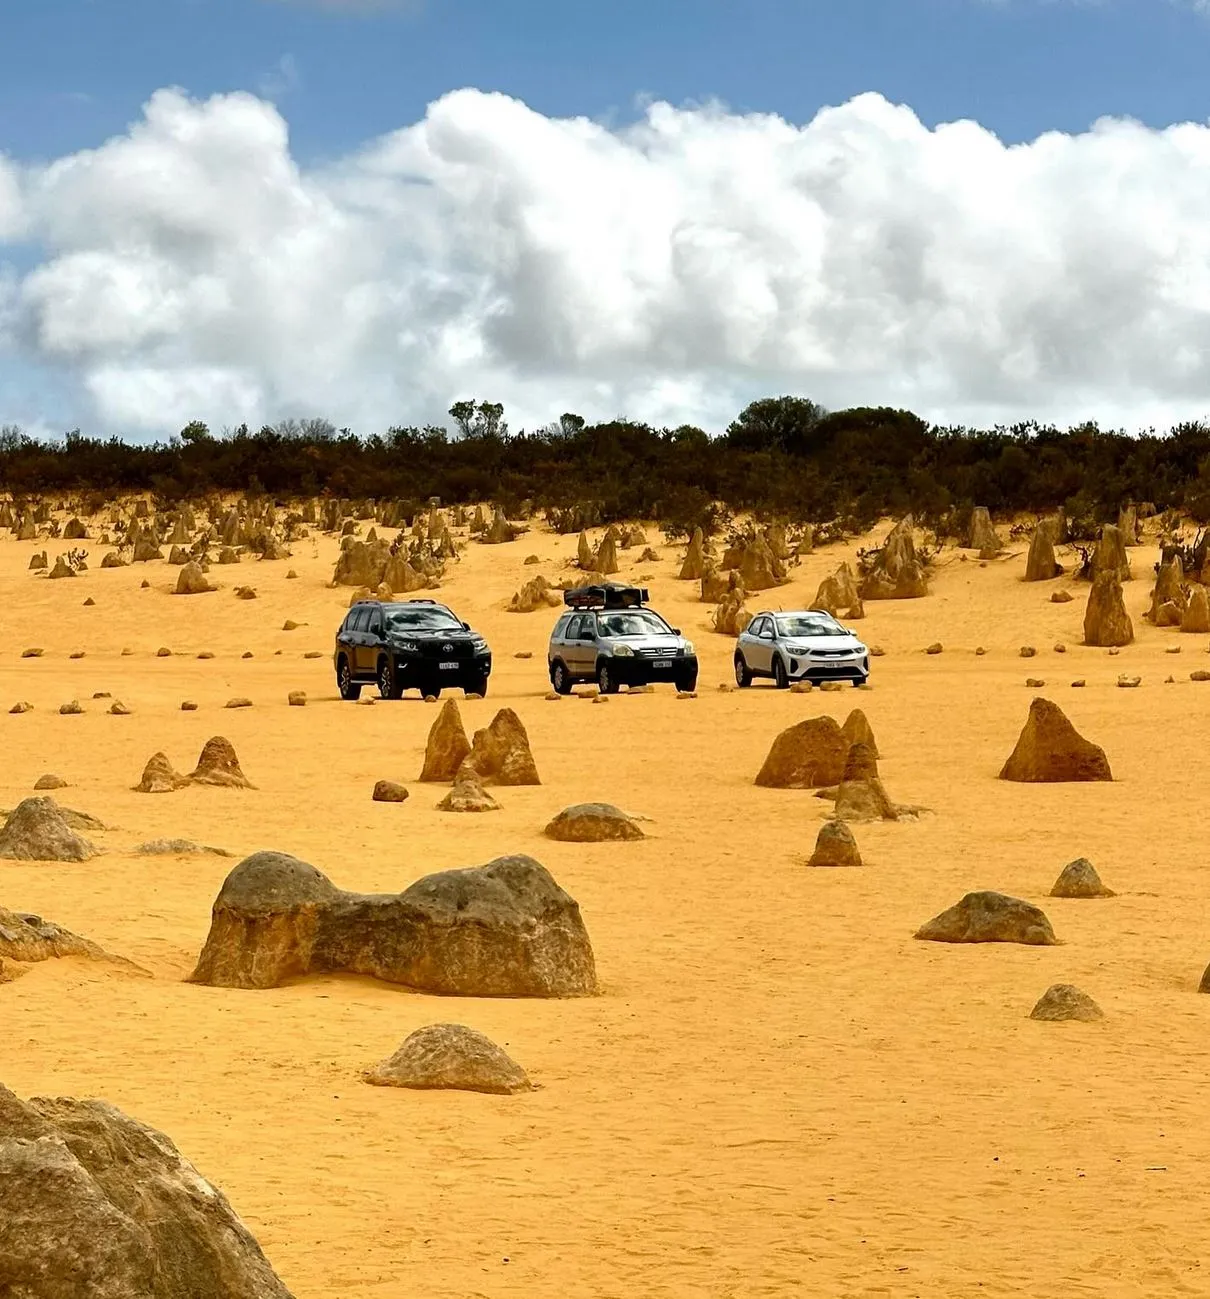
[(419, 617), (635, 622), (809, 624)]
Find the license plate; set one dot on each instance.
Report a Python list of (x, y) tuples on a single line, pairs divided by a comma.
[(450, 666), (662, 663)]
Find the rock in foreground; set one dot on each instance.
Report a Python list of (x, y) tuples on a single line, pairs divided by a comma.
[(807, 755), (593, 823), (835, 846), (1051, 750), (501, 930), (1079, 879), (990, 918), (99, 1206), (38, 830), (451, 1057), (1062, 1001)]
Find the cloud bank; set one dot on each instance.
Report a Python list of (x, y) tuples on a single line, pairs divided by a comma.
[(670, 270)]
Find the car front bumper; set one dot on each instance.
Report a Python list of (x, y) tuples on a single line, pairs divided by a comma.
[(639, 671), (855, 667)]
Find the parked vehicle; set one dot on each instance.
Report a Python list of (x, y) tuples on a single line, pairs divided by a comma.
[(409, 644), (807, 645), (611, 637)]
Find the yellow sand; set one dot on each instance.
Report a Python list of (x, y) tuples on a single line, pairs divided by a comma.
[(779, 1091)]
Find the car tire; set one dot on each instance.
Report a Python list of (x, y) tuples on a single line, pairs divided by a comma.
[(781, 678), (743, 675), (389, 686), (560, 678), (606, 682), (349, 689), (858, 682), (688, 683), (477, 687)]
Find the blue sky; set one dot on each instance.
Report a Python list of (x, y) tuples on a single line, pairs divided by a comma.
[(75, 71), (188, 269)]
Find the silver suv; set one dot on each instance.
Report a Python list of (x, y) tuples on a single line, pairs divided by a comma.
[(804, 646), (610, 637)]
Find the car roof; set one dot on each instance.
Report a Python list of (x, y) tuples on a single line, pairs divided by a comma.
[(795, 613)]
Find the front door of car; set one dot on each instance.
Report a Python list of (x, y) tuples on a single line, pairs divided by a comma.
[(371, 643), (760, 645), (584, 646)]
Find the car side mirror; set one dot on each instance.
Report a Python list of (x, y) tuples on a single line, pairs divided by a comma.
[(676, 631), (466, 626)]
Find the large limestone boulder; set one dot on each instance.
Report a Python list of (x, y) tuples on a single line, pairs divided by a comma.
[(501, 930), (593, 823), (447, 746), (695, 558), (1128, 524), (159, 776), (585, 557), (28, 939), (451, 1057), (38, 830), (1063, 1001), (759, 568), (835, 846), (1110, 555), (990, 918), (218, 765), (857, 730), (537, 593), (861, 796), (606, 559), (1079, 879), (1196, 618), (99, 1206), (732, 616), (500, 530), (1168, 598), (361, 563), (897, 573), (1040, 564), (808, 755), (1106, 622), (1051, 750), (982, 536), (837, 592), (500, 753)]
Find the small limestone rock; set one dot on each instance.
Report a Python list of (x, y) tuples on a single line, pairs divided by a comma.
[(1200, 675), (468, 795), (206, 654), (163, 652), (1078, 684), (1027, 651), (980, 651), (451, 1057), (1061, 597), (990, 918), (835, 846), (1034, 683), (71, 708), (1060, 648), (297, 699), (552, 697), (76, 654), (1079, 879), (50, 782), (523, 654), (313, 654), (389, 791), (1063, 1001), (178, 848), (240, 701), (1127, 682), (32, 653), (1172, 649), (119, 709), (934, 648), (247, 654), (189, 706), (592, 823), (23, 707), (798, 687)]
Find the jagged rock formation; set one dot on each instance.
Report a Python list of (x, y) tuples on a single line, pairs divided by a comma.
[(97, 1204), (837, 592), (218, 765), (1168, 598), (192, 581), (537, 593), (468, 795), (606, 558), (159, 776), (1106, 622), (1079, 879), (593, 823), (361, 563), (990, 918), (501, 930), (1050, 749), (1063, 1001), (835, 846), (861, 796), (28, 939), (982, 536), (807, 755), (695, 558), (759, 568), (897, 573), (38, 830), (1110, 555), (451, 1057), (500, 753), (732, 616), (447, 746), (500, 530), (1041, 565), (1196, 617), (857, 730)]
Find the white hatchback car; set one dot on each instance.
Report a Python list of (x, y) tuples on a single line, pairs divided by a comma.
[(807, 645)]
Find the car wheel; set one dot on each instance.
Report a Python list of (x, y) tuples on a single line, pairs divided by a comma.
[(388, 679), (560, 678), (858, 682), (687, 683), (743, 677), (349, 689), (477, 687), (605, 680), (781, 678)]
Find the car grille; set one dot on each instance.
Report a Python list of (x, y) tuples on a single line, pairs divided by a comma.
[(658, 653), (446, 649), (832, 654)]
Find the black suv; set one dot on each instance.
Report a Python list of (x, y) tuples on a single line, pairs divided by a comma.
[(408, 644)]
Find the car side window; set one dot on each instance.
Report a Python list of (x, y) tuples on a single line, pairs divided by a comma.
[(356, 621), (588, 626), (375, 621), (766, 628)]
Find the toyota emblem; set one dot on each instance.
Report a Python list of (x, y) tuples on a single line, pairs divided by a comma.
[(447, 649)]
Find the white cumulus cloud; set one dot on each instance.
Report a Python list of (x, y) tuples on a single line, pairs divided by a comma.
[(670, 270)]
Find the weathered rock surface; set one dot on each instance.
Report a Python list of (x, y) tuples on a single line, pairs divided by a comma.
[(159, 776), (1040, 564), (805, 756), (731, 617), (982, 536), (593, 823), (447, 746), (500, 752), (468, 795), (1106, 622), (451, 1057), (218, 765), (1079, 879), (835, 846), (838, 592), (695, 558), (897, 573), (100, 1206), (1168, 598), (759, 568), (1110, 555), (1051, 750), (178, 848), (537, 593), (501, 930), (857, 730), (861, 796), (389, 791), (192, 581), (1063, 1001), (990, 918), (38, 830), (29, 938), (1196, 618), (50, 781)]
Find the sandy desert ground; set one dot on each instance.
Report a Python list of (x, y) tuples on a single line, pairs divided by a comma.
[(779, 1091)]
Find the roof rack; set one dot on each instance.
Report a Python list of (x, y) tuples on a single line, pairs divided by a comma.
[(608, 595)]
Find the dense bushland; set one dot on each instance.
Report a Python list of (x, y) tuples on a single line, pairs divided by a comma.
[(782, 457)]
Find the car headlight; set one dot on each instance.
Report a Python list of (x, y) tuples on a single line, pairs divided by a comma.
[(797, 649), (861, 649), (408, 646), (478, 644), (623, 651), (687, 646)]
